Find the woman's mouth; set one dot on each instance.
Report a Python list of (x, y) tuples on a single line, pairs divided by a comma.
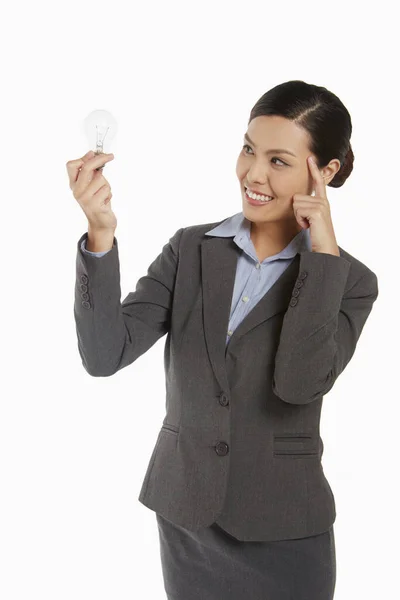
[(257, 199)]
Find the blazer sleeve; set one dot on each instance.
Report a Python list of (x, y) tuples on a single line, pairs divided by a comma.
[(321, 327), (112, 335)]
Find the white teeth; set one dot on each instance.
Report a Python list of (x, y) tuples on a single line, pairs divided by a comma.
[(258, 196)]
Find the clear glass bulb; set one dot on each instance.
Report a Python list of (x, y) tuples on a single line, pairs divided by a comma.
[(100, 128)]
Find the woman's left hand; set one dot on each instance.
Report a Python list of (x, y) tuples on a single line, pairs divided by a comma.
[(314, 212)]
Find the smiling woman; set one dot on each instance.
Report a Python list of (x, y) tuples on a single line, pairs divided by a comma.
[(254, 343), (289, 123)]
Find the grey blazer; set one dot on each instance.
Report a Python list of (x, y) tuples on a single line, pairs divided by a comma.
[(240, 442)]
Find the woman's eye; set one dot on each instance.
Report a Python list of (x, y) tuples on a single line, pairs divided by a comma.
[(274, 158)]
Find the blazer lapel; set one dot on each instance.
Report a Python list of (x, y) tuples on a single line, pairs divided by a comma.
[(219, 258)]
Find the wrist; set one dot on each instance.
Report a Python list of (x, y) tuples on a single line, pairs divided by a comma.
[(329, 250), (100, 240)]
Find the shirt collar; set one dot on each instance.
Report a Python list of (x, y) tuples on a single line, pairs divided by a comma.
[(238, 227)]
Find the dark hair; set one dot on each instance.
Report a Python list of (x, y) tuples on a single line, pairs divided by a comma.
[(321, 114)]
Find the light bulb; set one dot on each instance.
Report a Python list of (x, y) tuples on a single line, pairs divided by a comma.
[(100, 128)]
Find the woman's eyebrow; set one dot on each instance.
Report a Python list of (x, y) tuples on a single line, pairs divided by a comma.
[(277, 150)]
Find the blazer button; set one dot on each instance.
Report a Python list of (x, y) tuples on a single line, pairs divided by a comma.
[(86, 304), (295, 293), (298, 284), (83, 287), (221, 448), (303, 275), (84, 279), (85, 296), (293, 302), (223, 400)]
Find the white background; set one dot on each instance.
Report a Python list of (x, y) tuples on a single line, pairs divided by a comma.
[(181, 79)]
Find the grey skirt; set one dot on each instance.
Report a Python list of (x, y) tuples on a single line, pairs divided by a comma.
[(210, 564)]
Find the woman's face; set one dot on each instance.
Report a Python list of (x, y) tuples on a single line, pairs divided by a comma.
[(279, 174)]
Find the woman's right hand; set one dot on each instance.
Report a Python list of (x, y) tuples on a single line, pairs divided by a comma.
[(92, 190)]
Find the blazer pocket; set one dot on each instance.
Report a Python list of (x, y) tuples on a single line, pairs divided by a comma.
[(295, 446), (170, 429)]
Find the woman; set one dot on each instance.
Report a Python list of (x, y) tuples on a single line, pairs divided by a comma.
[(262, 312)]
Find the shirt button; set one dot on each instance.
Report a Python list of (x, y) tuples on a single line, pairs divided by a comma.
[(257, 265), (230, 332), (245, 299)]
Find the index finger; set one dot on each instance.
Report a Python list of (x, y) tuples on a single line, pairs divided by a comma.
[(320, 187), (74, 166)]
